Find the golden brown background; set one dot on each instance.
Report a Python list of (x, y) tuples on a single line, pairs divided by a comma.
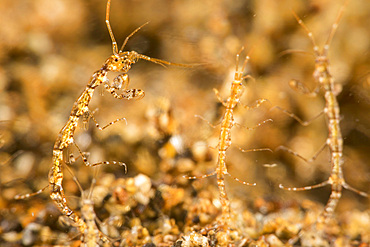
[(50, 48)]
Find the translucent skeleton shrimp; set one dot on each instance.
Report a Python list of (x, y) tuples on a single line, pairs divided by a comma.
[(334, 141), (224, 142), (92, 236), (120, 61)]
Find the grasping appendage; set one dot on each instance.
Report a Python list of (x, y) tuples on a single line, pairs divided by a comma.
[(121, 62)]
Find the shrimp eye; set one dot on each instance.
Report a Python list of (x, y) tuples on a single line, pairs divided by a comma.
[(116, 59)]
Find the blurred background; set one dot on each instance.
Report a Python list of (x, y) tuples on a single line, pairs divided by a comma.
[(49, 50)]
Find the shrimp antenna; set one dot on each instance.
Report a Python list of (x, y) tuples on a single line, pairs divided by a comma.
[(114, 42)]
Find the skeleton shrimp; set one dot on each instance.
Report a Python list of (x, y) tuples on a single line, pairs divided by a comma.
[(334, 140), (92, 236), (120, 61), (236, 91)]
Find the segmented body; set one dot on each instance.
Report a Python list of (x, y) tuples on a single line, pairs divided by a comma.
[(334, 141), (120, 61), (66, 138), (224, 142), (92, 236)]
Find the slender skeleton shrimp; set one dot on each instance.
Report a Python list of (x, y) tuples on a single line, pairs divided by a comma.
[(120, 61), (236, 91), (334, 140)]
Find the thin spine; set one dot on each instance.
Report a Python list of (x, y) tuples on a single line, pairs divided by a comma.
[(236, 91), (118, 62), (332, 112)]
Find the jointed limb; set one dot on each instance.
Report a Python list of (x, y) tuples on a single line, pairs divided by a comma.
[(361, 193), (208, 122), (256, 104), (109, 124), (224, 103), (254, 127), (300, 156), (87, 163), (292, 115), (200, 177), (306, 187)]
